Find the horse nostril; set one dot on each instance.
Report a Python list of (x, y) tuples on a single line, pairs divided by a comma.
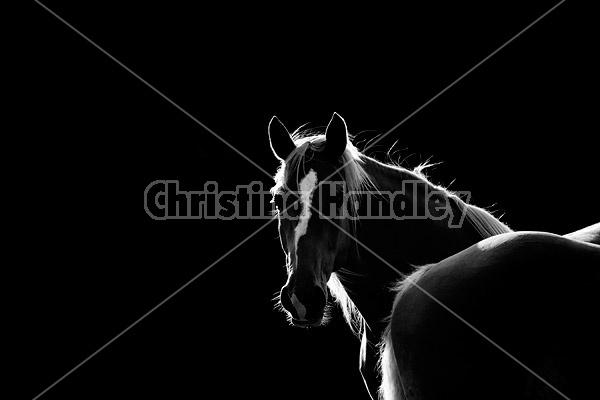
[(304, 305), (286, 302), (315, 303)]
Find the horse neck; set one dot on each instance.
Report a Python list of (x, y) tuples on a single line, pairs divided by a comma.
[(424, 240), (406, 243)]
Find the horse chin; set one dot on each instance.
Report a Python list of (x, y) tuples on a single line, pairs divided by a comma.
[(307, 323)]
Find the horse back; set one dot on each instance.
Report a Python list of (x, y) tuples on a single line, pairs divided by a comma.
[(529, 295), (589, 234)]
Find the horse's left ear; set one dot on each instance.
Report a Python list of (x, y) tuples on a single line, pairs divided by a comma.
[(336, 136), (281, 142)]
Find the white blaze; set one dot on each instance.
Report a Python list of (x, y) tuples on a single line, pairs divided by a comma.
[(307, 187)]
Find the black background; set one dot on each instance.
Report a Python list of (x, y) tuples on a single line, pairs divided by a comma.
[(518, 132)]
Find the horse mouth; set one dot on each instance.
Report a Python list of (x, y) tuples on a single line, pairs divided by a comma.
[(307, 323)]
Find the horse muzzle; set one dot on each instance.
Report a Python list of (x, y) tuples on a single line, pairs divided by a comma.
[(305, 306)]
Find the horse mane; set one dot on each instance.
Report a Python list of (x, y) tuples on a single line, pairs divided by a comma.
[(349, 310), (482, 220)]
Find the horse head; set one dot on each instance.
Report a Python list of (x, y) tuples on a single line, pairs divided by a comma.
[(310, 189)]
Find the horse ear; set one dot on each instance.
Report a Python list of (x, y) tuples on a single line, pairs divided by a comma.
[(336, 136), (280, 139)]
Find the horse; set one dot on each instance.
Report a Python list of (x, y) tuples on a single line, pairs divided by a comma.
[(340, 256), (509, 317)]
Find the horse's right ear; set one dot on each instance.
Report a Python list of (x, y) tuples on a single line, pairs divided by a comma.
[(336, 136), (280, 139)]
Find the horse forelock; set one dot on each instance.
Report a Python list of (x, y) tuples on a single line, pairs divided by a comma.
[(293, 169)]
